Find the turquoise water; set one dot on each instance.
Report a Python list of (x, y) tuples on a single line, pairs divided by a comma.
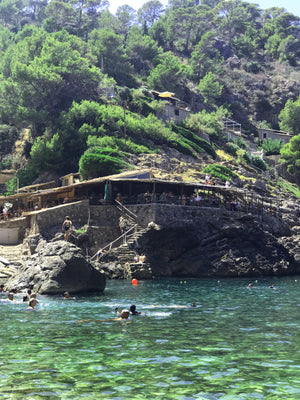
[(237, 343)]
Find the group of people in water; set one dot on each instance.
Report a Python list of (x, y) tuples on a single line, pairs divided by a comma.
[(28, 297)]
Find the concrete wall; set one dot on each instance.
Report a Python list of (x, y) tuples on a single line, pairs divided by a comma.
[(173, 113), (39, 221), (12, 231)]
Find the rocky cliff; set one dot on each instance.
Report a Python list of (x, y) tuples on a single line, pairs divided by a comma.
[(209, 242)]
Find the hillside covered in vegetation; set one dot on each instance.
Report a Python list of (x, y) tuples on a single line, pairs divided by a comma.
[(76, 83)]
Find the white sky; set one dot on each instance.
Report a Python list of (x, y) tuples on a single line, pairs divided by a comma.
[(292, 6), (136, 4)]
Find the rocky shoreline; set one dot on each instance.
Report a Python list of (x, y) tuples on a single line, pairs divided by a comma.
[(224, 246), (187, 242)]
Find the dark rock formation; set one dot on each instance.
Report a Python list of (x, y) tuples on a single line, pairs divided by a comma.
[(57, 267), (218, 244), (223, 248)]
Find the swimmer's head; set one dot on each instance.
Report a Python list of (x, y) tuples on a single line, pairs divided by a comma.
[(124, 314), (132, 308), (32, 302), (10, 296)]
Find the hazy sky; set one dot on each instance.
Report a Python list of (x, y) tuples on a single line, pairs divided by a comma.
[(292, 6)]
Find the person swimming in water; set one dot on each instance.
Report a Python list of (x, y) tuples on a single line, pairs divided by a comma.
[(124, 315), (67, 296), (10, 296), (32, 303), (133, 310)]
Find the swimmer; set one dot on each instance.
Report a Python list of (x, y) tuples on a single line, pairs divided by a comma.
[(250, 286), (2, 289), (67, 296), (32, 303), (124, 315), (27, 297), (10, 296), (272, 286), (33, 296), (133, 310)]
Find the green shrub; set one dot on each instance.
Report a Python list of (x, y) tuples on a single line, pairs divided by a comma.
[(197, 143), (8, 136), (231, 148), (6, 162), (240, 143), (100, 162), (289, 187), (11, 186), (220, 171), (271, 147), (252, 67), (247, 157), (117, 144), (258, 162)]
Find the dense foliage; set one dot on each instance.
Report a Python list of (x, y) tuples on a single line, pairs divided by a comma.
[(271, 147), (220, 171), (81, 78), (290, 154)]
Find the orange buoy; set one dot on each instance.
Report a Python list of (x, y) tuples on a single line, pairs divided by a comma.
[(134, 281)]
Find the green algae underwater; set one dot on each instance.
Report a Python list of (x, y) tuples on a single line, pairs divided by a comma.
[(236, 343)]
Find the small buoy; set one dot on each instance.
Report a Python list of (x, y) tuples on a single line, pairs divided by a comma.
[(134, 281)]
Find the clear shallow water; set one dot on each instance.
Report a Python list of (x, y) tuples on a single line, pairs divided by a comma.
[(237, 343)]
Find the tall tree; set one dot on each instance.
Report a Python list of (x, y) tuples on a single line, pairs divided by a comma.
[(108, 47), (46, 82), (210, 88), (290, 155), (142, 51), (233, 17), (186, 26), (168, 75), (126, 17), (289, 117), (205, 57), (149, 13), (59, 15)]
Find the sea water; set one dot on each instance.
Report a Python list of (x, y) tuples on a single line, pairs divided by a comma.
[(236, 343)]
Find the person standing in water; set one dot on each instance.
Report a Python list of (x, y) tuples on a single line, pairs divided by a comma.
[(66, 227)]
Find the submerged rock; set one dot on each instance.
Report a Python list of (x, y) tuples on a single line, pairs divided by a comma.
[(55, 268)]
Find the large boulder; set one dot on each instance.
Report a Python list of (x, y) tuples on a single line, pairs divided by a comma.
[(55, 268)]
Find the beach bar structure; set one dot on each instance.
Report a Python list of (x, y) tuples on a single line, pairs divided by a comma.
[(133, 187)]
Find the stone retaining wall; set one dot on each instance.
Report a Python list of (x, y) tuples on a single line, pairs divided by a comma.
[(39, 221), (172, 215)]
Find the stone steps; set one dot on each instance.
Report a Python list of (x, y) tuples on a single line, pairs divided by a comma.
[(12, 253)]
